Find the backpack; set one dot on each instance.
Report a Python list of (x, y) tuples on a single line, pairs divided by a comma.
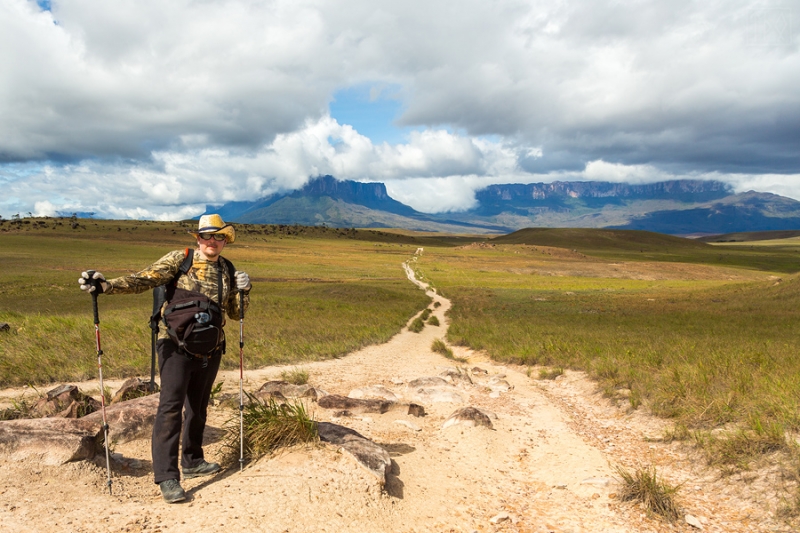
[(193, 320)]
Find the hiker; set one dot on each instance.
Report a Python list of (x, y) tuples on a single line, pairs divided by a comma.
[(187, 363)]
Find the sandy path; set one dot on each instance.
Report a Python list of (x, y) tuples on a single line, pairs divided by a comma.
[(548, 465)]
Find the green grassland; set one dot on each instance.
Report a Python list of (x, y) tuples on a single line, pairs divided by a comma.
[(318, 293), (704, 334), (705, 344), (711, 345)]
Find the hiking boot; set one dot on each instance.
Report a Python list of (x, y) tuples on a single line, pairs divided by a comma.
[(203, 469), (172, 491)]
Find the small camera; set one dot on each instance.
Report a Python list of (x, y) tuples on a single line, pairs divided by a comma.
[(202, 318)]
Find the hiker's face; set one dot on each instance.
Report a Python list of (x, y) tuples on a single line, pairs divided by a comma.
[(210, 248)]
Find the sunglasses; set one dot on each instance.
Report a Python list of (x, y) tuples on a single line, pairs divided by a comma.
[(209, 236)]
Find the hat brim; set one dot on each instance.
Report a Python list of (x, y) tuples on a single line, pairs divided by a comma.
[(227, 230)]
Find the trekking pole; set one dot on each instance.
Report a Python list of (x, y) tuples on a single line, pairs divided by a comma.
[(241, 380), (90, 274)]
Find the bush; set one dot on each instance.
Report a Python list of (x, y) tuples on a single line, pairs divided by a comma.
[(416, 325)]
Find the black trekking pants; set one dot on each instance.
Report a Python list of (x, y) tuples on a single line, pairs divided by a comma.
[(185, 385)]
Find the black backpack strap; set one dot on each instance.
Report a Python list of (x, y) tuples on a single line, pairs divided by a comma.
[(162, 293)]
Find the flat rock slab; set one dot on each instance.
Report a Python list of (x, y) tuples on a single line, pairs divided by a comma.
[(468, 416), (54, 441), (366, 453), (354, 405)]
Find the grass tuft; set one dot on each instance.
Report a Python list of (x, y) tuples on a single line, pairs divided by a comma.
[(295, 376), (269, 426), (643, 486), (417, 325), (433, 321), (440, 347), (20, 408), (734, 452), (551, 373)]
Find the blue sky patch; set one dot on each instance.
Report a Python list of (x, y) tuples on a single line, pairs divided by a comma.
[(371, 109)]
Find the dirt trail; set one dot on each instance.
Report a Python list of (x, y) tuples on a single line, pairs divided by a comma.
[(548, 465)]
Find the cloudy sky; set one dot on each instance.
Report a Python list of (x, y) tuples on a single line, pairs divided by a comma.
[(155, 108)]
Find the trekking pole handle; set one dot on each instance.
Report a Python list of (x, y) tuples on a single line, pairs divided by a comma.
[(91, 281), (241, 304)]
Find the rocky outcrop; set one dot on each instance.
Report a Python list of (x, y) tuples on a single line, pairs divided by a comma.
[(65, 401)]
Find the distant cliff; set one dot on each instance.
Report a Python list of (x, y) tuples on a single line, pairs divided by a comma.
[(674, 207)]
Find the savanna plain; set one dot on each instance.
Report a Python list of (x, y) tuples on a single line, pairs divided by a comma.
[(688, 348)]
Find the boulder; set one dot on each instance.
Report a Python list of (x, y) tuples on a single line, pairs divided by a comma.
[(468, 416), (53, 441), (378, 392), (354, 405), (368, 454), (132, 388)]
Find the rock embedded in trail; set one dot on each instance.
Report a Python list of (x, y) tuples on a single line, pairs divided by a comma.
[(432, 381), (416, 410), (367, 453), (374, 392), (437, 395), (453, 376), (498, 384), (354, 405), (468, 416), (289, 390)]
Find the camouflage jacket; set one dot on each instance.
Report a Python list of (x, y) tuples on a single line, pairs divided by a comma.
[(202, 277)]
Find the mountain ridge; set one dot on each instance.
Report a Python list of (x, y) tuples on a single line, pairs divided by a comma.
[(677, 207)]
